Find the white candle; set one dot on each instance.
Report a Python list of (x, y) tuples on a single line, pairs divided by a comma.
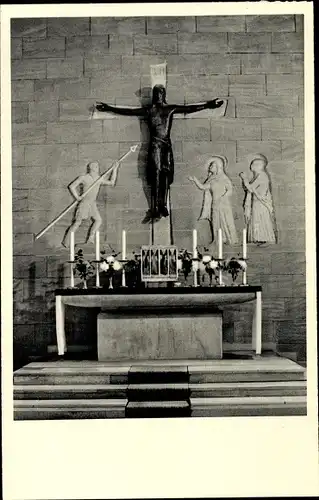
[(244, 243), (97, 245), (72, 253), (220, 244), (195, 254), (123, 244)]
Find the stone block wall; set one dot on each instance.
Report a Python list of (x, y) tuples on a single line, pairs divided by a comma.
[(61, 67)]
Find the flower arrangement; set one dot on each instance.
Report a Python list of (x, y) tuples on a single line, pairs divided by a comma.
[(133, 270), (185, 262), (109, 265), (82, 267), (234, 266), (210, 265)]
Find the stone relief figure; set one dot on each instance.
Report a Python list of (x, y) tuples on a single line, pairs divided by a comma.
[(87, 207), (258, 203), (216, 207), (159, 115)]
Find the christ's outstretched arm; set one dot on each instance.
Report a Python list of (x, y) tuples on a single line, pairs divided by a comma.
[(193, 108), (101, 106)]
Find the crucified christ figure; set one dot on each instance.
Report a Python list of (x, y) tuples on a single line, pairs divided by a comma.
[(160, 167)]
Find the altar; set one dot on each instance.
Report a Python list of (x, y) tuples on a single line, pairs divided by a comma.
[(157, 323)]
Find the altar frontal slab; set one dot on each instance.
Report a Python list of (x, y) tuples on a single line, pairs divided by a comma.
[(165, 334)]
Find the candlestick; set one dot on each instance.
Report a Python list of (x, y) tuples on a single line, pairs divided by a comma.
[(220, 276), (97, 245), (123, 245), (195, 256), (220, 244), (245, 243), (97, 275), (72, 252), (244, 277), (72, 276), (123, 277)]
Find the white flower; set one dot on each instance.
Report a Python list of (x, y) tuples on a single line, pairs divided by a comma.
[(110, 259), (117, 265), (206, 259), (179, 264), (243, 264), (195, 266), (104, 266), (213, 264)]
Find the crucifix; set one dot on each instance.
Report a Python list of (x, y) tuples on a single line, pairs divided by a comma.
[(160, 165)]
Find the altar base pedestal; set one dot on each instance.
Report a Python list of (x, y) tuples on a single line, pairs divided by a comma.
[(195, 335)]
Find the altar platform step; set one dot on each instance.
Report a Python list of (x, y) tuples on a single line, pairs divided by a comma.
[(69, 409), (66, 389), (249, 406), (247, 389), (70, 391)]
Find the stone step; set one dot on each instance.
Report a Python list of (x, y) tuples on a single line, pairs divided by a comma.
[(157, 409), (75, 374), (158, 392), (78, 391), (151, 374), (69, 409), (244, 389), (246, 373), (249, 406)]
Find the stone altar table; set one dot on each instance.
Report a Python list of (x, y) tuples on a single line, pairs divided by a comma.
[(157, 323)]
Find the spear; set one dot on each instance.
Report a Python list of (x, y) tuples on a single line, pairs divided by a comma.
[(66, 210)]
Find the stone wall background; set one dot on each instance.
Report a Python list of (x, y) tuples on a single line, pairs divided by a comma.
[(61, 67)]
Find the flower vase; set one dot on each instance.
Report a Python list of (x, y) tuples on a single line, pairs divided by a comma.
[(85, 284)]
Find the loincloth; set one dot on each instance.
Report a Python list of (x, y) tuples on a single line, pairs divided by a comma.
[(160, 159)]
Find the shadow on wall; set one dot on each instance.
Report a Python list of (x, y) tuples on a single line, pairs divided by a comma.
[(34, 318), (145, 96)]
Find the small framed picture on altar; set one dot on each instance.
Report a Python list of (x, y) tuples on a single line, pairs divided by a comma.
[(159, 263)]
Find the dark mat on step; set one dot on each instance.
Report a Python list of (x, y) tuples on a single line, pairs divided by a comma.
[(158, 374), (158, 392), (163, 409)]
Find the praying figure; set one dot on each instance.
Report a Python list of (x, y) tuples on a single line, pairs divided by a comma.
[(160, 168), (258, 203), (87, 207), (216, 206)]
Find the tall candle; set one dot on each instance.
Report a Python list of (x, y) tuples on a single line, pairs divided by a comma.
[(123, 244), (195, 244), (245, 243), (97, 245), (220, 244), (72, 252)]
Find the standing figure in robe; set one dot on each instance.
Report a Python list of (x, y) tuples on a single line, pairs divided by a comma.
[(160, 168), (216, 207), (258, 203)]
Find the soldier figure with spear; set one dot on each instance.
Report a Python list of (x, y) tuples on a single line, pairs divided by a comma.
[(87, 206), (86, 203)]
